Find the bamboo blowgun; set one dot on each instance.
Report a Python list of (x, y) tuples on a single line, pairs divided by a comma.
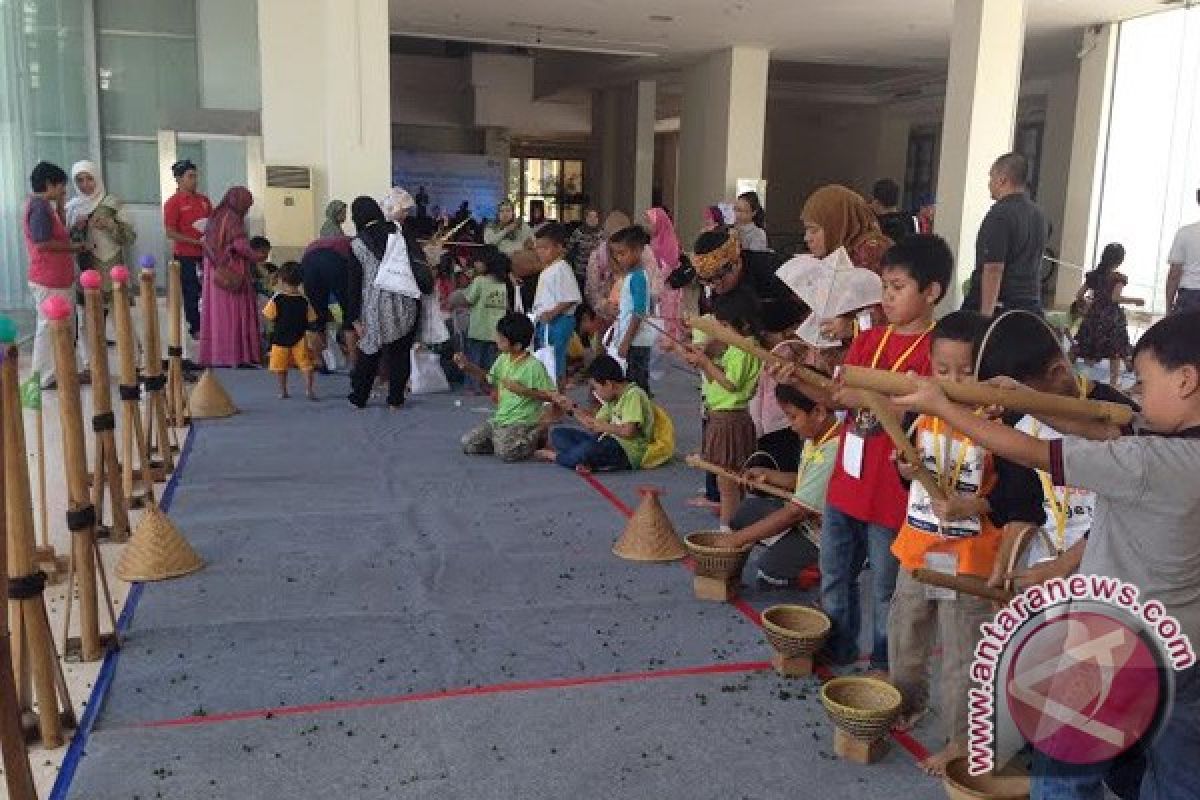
[(723, 333), (1024, 400)]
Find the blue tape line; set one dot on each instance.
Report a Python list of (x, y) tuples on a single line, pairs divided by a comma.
[(108, 668)]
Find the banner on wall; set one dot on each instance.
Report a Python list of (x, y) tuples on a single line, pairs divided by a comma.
[(450, 178)]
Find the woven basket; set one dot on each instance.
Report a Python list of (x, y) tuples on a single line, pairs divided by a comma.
[(795, 630), (209, 400), (864, 708), (960, 784), (156, 551), (712, 559)]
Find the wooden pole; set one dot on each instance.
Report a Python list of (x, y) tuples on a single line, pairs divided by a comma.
[(177, 413), (35, 660), (723, 333), (107, 472), (699, 463), (18, 777), (134, 448), (157, 429), (981, 394), (81, 513), (899, 436)]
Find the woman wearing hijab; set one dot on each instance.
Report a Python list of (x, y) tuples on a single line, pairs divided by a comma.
[(229, 332), (387, 323), (335, 216), (834, 217), (97, 218), (665, 245)]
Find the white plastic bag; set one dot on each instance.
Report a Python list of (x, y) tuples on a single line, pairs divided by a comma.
[(613, 349), (427, 376), (395, 272), (431, 327), (545, 354)]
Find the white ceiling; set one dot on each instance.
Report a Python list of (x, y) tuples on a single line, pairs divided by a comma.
[(894, 33)]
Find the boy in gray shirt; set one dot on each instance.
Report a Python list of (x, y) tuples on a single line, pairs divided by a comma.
[(1146, 530)]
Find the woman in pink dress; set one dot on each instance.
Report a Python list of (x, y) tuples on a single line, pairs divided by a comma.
[(229, 333), (665, 245)]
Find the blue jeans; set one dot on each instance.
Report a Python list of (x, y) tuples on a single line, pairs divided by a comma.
[(575, 447), (846, 543), (482, 354), (1170, 763), (558, 333)]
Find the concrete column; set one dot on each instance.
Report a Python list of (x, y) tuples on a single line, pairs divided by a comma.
[(330, 109), (982, 84), (497, 144), (721, 131), (1089, 141), (623, 147), (1056, 149)]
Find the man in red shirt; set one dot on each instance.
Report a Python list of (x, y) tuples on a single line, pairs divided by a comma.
[(181, 213)]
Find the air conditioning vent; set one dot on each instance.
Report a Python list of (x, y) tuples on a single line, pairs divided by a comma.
[(289, 178)]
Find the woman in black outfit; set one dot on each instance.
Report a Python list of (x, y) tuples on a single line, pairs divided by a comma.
[(387, 323)]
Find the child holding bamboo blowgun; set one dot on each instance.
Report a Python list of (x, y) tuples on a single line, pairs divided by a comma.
[(866, 502), (1021, 349), (1143, 536), (728, 383), (955, 531)]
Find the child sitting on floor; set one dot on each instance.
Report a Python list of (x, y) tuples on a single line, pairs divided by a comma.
[(958, 534), (1143, 534), (521, 386), (291, 316), (617, 435), (790, 531)]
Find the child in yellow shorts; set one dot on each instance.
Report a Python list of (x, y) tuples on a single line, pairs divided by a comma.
[(292, 316)]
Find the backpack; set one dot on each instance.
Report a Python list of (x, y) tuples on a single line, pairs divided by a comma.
[(661, 448)]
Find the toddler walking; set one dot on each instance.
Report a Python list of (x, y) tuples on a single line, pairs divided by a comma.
[(291, 316)]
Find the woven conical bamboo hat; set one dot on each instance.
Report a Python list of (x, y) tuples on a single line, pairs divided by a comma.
[(209, 400), (157, 551), (649, 534)]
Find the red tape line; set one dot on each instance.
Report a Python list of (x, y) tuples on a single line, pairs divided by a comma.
[(902, 738), (467, 691)]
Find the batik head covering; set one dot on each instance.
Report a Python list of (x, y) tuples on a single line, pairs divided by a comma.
[(707, 264)]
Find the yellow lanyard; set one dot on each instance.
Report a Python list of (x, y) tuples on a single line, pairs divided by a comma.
[(812, 452), (887, 334), (942, 455), (1058, 505)]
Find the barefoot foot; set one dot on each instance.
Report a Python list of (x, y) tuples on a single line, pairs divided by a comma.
[(935, 765), (544, 454), (907, 721)]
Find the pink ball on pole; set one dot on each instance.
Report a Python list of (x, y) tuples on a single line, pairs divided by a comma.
[(90, 279), (56, 308), (119, 274)]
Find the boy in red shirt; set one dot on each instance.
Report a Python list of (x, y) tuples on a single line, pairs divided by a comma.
[(865, 502), (181, 213)]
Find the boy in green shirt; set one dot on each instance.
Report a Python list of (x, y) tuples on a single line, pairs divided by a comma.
[(616, 437), (521, 387)]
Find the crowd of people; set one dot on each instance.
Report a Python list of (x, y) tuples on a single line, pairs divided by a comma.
[(535, 310)]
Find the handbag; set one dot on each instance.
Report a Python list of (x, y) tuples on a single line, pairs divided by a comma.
[(228, 278)]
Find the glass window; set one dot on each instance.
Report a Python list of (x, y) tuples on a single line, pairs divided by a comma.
[(1152, 162)]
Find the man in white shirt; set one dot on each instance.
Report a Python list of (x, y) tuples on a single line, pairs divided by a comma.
[(1183, 277)]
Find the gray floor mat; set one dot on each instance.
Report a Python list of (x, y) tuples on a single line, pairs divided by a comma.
[(358, 554)]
